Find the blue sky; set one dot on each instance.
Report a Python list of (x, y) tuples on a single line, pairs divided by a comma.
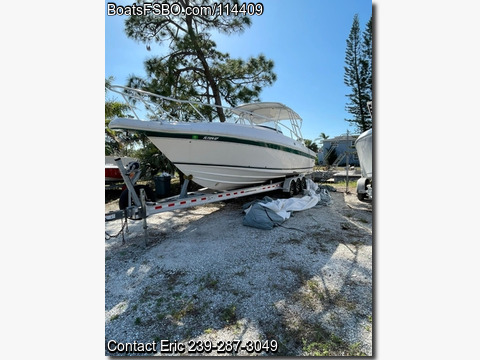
[(306, 39)]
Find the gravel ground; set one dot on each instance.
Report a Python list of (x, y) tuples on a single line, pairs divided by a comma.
[(205, 280)]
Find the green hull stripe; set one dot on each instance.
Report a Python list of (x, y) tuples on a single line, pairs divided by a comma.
[(245, 167), (204, 137)]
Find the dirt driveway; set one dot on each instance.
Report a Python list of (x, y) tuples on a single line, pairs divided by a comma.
[(209, 285)]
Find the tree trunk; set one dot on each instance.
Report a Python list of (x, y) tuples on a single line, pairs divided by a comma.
[(206, 68)]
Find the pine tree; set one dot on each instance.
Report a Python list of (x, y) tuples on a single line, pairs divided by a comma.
[(367, 51), (193, 68), (358, 75)]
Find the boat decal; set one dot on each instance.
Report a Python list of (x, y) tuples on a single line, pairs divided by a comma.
[(212, 138), (227, 139)]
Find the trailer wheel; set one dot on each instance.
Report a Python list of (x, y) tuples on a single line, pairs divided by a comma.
[(299, 185), (304, 183), (361, 196), (362, 189), (293, 188), (123, 201)]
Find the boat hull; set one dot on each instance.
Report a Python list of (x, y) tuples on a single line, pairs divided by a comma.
[(224, 156), (364, 146), (225, 165)]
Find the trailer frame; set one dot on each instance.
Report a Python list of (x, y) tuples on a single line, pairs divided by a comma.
[(141, 209)]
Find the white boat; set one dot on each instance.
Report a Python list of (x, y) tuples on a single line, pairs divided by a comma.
[(364, 146), (249, 148)]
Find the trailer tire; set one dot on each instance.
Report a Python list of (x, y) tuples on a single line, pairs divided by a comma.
[(299, 185), (123, 201), (361, 196), (304, 183), (362, 185), (293, 188)]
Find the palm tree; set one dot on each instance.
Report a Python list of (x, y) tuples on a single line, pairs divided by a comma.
[(114, 140), (311, 145), (322, 137)]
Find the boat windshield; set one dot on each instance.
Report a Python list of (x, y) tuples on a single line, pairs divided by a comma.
[(271, 127)]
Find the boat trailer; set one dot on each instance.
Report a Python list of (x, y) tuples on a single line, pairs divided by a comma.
[(139, 208)]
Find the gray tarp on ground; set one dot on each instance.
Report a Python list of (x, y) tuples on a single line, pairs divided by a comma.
[(267, 213), (259, 216)]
